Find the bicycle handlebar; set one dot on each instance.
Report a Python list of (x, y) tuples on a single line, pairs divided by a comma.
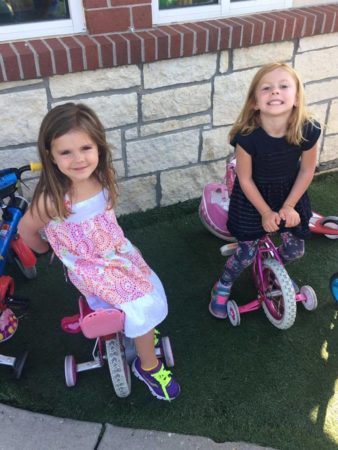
[(10, 177), (35, 166)]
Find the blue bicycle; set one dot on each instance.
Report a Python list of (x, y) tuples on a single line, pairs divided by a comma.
[(13, 249), (334, 287)]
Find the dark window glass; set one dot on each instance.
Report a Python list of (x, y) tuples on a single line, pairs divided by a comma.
[(166, 4), (26, 11)]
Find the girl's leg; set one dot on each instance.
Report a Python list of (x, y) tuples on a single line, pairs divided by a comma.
[(292, 247), (151, 371), (146, 350), (242, 258)]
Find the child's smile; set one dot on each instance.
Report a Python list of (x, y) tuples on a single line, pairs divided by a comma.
[(275, 102), (276, 94)]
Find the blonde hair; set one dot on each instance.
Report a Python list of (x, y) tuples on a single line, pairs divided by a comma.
[(53, 185), (249, 118)]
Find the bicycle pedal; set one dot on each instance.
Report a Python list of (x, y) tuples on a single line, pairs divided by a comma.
[(71, 324)]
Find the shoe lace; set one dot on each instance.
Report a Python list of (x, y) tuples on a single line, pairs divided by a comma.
[(163, 377)]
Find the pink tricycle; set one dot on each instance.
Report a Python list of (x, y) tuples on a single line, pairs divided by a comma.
[(214, 207), (106, 327), (277, 294)]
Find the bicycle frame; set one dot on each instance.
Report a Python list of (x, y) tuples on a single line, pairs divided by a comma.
[(266, 248), (12, 212), (9, 238), (106, 326)]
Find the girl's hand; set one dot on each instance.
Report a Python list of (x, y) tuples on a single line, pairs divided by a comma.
[(270, 221), (290, 215)]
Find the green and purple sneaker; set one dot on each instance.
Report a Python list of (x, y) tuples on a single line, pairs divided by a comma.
[(159, 380)]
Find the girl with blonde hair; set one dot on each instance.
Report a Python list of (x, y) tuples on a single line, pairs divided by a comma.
[(276, 141)]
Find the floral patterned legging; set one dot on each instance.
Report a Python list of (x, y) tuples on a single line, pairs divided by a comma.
[(291, 248)]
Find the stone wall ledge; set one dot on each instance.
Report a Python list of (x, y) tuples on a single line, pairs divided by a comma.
[(38, 58)]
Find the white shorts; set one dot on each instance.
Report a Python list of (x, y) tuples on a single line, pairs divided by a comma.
[(142, 314)]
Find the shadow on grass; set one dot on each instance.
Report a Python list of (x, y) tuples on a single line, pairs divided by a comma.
[(252, 383)]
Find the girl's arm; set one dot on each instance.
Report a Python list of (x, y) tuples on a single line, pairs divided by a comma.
[(305, 175), (270, 219), (29, 227)]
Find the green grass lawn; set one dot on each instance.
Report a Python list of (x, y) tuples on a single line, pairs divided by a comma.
[(252, 383)]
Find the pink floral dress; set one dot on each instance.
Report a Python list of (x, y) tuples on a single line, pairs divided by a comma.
[(99, 259)]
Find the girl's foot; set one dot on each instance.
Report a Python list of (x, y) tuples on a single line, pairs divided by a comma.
[(218, 302), (159, 380)]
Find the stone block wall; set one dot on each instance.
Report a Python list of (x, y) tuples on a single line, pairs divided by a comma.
[(168, 121)]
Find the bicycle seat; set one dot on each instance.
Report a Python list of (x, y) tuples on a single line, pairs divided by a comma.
[(101, 322)]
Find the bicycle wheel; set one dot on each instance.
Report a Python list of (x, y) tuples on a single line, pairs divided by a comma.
[(70, 370), (311, 301), (118, 366), (331, 222), (279, 302), (233, 313), (167, 351)]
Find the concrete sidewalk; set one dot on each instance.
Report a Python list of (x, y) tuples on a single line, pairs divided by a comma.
[(30, 431)]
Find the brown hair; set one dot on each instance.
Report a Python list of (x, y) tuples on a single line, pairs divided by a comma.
[(249, 118), (53, 184)]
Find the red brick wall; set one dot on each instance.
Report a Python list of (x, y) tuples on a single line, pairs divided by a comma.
[(122, 15), (122, 33)]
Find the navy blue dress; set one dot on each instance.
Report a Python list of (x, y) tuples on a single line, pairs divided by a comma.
[(275, 166)]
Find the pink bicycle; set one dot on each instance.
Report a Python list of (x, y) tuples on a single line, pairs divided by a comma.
[(276, 291), (106, 327)]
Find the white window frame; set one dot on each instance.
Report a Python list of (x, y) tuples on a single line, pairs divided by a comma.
[(223, 9), (76, 24)]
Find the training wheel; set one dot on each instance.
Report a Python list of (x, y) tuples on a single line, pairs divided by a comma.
[(19, 364), (70, 370), (167, 351), (331, 222), (228, 249), (233, 313), (311, 301)]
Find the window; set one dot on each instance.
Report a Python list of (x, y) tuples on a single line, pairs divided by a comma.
[(20, 19), (170, 11), (166, 4)]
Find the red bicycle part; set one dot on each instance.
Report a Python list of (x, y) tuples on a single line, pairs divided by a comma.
[(317, 224), (6, 289), (23, 252), (71, 324)]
